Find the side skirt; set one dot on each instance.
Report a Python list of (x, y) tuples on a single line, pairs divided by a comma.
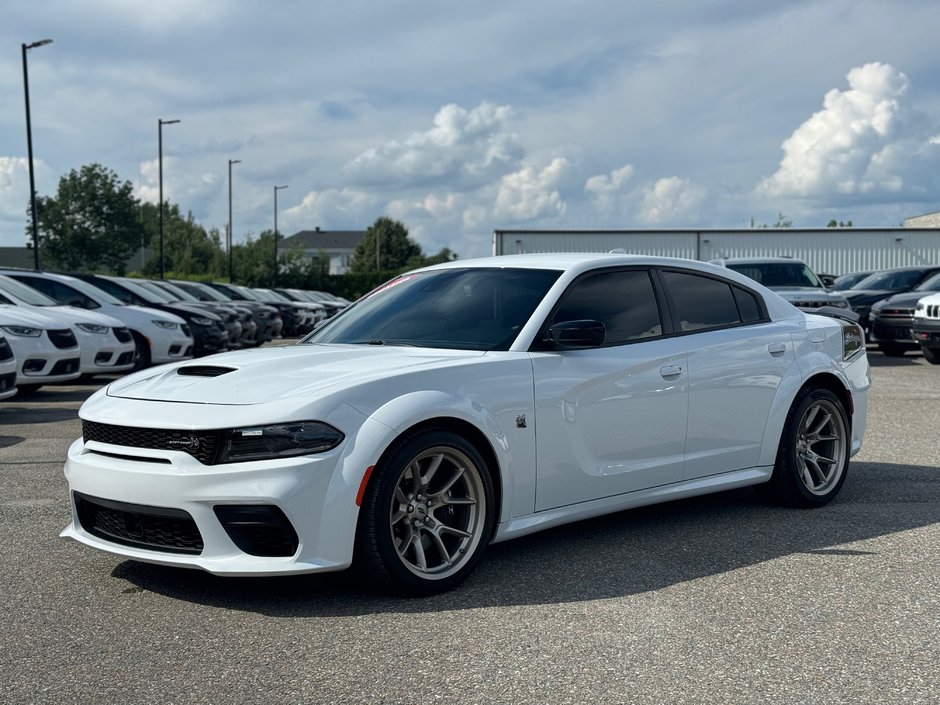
[(531, 523)]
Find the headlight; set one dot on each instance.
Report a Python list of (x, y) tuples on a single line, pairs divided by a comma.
[(200, 321), (284, 440), (919, 307), (840, 304), (23, 331), (169, 325), (92, 328)]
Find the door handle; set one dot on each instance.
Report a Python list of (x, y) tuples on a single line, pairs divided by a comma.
[(777, 349), (670, 371)]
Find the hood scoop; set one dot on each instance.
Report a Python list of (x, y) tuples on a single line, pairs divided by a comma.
[(204, 370)]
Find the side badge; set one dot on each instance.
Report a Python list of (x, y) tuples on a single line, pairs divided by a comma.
[(520, 421)]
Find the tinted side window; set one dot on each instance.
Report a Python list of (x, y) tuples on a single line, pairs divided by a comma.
[(62, 293), (624, 301), (747, 305), (701, 302)]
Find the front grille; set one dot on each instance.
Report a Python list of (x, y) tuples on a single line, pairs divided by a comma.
[(62, 338), (202, 445), (6, 352), (893, 332), (65, 367), (141, 526), (811, 304), (7, 381), (122, 334), (933, 311)]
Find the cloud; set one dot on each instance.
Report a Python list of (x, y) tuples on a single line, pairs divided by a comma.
[(605, 189), (14, 186), (334, 209), (528, 194), (854, 145), (671, 200), (465, 147)]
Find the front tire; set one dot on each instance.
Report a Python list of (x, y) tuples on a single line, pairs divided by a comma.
[(427, 514), (813, 456), (141, 352), (931, 355)]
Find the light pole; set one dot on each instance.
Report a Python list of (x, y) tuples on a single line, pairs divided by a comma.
[(230, 162), (160, 124), (274, 273), (29, 150)]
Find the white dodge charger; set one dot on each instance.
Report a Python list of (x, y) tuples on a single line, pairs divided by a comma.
[(469, 403)]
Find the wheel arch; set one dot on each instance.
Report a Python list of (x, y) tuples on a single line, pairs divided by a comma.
[(466, 430)]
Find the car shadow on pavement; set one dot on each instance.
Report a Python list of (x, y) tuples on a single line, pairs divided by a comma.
[(909, 360), (627, 553), (30, 414)]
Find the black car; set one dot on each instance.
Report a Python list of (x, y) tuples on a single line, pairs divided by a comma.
[(253, 321), (267, 317), (232, 318), (209, 334), (883, 284), (892, 319)]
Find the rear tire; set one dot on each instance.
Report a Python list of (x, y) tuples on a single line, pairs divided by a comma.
[(813, 456), (427, 515)]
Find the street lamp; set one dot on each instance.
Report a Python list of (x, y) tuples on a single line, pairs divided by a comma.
[(274, 274), (160, 124), (29, 149), (230, 162)]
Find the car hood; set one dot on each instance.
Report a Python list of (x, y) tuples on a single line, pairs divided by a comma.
[(30, 316), (868, 296), (267, 375), (908, 300)]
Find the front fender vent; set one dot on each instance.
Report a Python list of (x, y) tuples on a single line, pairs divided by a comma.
[(203, 370)]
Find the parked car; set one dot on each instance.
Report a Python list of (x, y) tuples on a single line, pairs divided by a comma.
[(209, 334), (247, 316), (791, 278), (891, 320), (231, 318), (333, 304), (7, 369), (330, 308), (45, 349), (847, 281), (159, 337), (883, 284), (309, 314), (269, 318), (467, 403), (106, 343), (926, 325)]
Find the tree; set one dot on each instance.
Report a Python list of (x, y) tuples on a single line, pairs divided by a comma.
[(395, 249), (188, 248), (839, 224), (91, 222), (782, 222)]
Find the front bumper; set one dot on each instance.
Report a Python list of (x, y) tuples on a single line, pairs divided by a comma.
[(165, 507), (926, 331), (896, 330)]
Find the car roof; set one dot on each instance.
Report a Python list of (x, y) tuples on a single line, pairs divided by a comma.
[(756, 260)]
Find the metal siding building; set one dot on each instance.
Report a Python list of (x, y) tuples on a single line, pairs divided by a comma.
[(826, 250)]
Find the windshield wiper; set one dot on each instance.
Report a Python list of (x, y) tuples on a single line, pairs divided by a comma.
[(379, 341)]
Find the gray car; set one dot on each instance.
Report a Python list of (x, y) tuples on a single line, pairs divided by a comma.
[(789, 277)]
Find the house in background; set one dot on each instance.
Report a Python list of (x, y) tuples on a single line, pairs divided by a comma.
[(337, 246)]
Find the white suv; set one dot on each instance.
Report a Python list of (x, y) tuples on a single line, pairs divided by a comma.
[(46, 350), (159, 337), (106, 343), (926, 327)]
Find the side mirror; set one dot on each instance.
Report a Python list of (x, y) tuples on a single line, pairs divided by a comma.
[(577, 335)]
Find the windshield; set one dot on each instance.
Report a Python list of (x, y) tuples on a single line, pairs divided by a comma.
[(143, 292), (100, 295), (461, 309), (779, 275), (931, 284), (202, 291), (177, 293), (897, 280), (26, 294)]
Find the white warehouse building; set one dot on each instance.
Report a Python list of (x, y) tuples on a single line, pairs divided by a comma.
[(833, 251)]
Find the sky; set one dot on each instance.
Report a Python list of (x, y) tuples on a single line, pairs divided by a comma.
[(461, 118)]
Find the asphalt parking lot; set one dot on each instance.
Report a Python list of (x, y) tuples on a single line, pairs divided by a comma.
[(718, 599)]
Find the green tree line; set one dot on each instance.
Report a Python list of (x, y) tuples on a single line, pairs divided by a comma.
[(94, 223)]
